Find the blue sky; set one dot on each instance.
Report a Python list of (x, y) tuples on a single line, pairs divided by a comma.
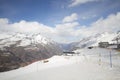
[(51, 12)]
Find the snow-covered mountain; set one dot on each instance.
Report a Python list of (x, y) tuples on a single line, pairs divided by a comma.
[(94, 40), (22, 49), (7, 39)]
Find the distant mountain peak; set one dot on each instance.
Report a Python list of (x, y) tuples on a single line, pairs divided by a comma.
[(94, 40)]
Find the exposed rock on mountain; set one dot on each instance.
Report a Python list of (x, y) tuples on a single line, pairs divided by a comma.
[(17, 49)]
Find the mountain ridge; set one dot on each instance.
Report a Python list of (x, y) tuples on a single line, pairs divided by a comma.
[(93, 40), (18, 49)]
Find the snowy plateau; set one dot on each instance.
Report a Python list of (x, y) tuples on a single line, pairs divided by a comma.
[(88, 64)]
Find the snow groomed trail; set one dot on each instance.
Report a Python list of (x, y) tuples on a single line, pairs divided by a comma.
[(85, 66)]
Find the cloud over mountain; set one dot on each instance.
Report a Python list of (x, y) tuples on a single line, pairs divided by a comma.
[(68, 30)]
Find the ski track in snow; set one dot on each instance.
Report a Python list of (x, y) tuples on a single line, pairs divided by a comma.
[(86, 66)]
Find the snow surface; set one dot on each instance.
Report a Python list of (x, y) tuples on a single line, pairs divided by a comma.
[(85, 66), (94, 40), (25, 42), (7, 39), (41, 39)]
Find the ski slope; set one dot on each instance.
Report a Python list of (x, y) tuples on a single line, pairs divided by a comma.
[(85, 66)]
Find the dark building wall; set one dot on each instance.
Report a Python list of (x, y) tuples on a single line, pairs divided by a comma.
[(103, 44)]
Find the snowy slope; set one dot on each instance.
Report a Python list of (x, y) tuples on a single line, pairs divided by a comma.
[(20, 49), (6, 39), (94, 40), (84, 67)]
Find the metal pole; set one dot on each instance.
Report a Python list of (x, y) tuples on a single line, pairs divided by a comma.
[(110, 60), (99, 58), (37, 65)]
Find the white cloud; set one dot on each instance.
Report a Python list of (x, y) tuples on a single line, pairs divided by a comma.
[(64, 32), (3, 21), (25, 27), (66, 29), (70, 18), (110, 24), (79, 2)]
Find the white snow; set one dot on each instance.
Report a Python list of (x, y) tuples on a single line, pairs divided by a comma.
[(6, 39), (4, 35), (94, 40), (25, 42), (107, 37), (85, 66), (40, 39)]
